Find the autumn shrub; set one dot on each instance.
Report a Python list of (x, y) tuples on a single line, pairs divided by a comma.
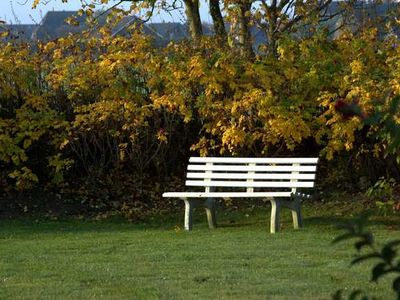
[(30, 129), (273, 103), (109, 121), (77, 119), (286, 106)]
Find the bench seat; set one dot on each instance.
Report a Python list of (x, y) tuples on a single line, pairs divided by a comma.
[(273, 179), (226, 194)]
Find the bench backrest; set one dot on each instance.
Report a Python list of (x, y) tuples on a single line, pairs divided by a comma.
[(251, 173)]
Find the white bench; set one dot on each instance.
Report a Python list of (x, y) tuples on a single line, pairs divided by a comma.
[(239, 177)]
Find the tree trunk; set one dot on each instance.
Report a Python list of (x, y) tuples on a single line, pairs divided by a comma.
[(272, 36), (245, 43), (218, 20), (193, 18), (272, 32)]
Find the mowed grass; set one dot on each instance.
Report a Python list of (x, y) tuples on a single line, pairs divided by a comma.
[(74, 259)]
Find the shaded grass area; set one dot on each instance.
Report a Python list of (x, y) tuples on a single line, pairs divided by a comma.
[(156, 259)]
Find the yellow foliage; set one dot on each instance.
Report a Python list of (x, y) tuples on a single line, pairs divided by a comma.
[(103, 100), (35, 3)]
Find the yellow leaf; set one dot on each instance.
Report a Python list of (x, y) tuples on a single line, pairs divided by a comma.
[(64, 143), (35, 3)]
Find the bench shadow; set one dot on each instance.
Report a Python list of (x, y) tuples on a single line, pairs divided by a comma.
[(332, 221), (234, 224), (27, 227), (337, 220)]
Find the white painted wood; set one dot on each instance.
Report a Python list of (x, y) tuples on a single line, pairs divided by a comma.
[(300, 195), (252, 168), (250, 189), (188, 214), (294, 206), (226, 172), (209, 173), (245, 184), (260, 160), (209, 205), (294, 180), (225, 194), (275, 215), (296, 209), (248, 175)]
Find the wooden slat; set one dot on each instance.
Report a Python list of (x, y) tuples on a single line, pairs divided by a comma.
[(260, 160), (252, 168), (225, 194), (270, 184), (200, 175), (294, 180), (250, 189), (207, 187)]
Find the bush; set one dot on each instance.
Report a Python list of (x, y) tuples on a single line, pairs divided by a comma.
[(99, 113)]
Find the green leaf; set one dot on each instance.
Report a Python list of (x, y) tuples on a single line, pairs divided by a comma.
[(368, 238), (337, 295), (27, 143), (364, 257), (388, 253), (343, 237), (346, 226), (358, 245), (394, 105), (393, 243), (396, 285), (374, 119), (378, 271), (394, 145), (354, 294)]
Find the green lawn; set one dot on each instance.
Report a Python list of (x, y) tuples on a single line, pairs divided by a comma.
[(157, 260)]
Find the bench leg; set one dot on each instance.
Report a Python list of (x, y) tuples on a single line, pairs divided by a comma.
[(275, 214), (294, 206), (189, 206), (296, 213), (209, 205)]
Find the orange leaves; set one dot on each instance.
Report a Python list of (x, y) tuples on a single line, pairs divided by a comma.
[(35, 3)]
